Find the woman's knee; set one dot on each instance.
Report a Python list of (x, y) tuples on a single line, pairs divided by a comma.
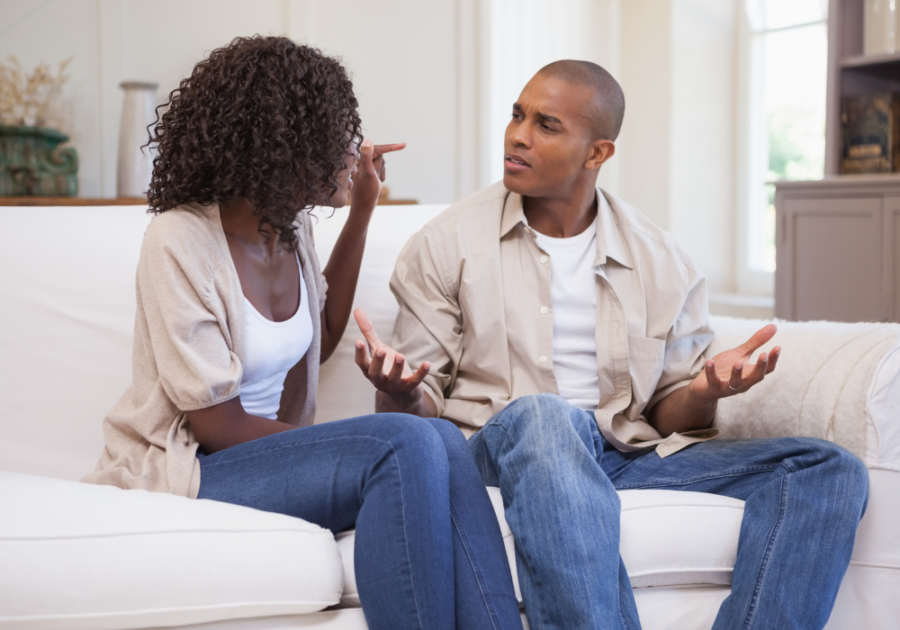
[(416, 441), (452, 438)]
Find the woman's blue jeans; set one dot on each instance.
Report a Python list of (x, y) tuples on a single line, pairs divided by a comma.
[(558, 477), (429, 553)]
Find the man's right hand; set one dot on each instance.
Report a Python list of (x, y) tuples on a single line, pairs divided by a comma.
[(400, 388)]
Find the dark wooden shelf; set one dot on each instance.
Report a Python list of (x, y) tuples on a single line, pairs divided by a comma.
[(71, 201), (863, 61), (128, 201)]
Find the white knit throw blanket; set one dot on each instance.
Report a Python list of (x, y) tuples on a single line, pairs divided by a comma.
[(820, 387)]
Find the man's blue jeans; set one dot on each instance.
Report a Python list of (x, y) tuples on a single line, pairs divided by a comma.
[(429, 553), (558, 477)]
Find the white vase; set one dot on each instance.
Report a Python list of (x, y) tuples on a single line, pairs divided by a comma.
[(880, 35), (135, 165)]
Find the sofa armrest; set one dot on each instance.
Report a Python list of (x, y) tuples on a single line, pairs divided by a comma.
[(836, 381)]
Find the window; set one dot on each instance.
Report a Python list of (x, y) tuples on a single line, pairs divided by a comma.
[(784, 74)]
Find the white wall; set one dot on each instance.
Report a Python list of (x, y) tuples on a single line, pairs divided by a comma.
[(646, 78), (402, 55), (702, 149), (440, 76), (526, 35), (677, 147)]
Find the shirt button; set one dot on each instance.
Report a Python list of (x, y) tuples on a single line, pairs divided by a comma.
[(544, 259), (543, 359), (544, 310)]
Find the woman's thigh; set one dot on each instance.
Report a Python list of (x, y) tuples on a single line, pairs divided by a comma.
[(318, 473)]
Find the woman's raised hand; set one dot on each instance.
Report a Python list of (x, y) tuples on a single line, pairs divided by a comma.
[(371, 172)]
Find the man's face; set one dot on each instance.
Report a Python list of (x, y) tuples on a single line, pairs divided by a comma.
[(548, 141)]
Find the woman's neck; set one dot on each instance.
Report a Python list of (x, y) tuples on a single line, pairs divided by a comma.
[(241, 225)]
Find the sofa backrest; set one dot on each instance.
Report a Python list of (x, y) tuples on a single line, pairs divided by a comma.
[(67, 307), (67, 315)]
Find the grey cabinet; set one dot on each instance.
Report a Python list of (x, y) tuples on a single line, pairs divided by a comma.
[(837, 244)]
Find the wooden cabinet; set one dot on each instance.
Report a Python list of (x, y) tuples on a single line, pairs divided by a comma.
[(838, 249)]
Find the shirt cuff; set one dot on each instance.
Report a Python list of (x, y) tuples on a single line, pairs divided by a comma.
[(665, 391)]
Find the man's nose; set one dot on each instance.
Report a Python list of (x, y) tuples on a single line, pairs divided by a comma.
[(519, 137)]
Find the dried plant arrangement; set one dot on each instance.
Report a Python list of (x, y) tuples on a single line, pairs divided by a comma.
[(30, 100)]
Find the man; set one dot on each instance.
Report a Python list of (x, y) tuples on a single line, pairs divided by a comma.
[(571, 330)]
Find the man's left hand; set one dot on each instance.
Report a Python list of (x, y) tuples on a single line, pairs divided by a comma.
[(725, 374)]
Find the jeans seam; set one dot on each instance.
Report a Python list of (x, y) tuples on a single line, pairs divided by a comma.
[(479, 578), (527, 567), (409, 571), (773, 538), (528, 611), (734, 472)]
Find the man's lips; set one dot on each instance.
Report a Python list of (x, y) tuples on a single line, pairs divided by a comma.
[(515, 163)]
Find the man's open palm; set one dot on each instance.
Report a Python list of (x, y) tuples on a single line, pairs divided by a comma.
[(725, 374)]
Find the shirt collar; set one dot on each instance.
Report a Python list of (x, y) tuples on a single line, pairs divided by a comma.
[(610, 240)]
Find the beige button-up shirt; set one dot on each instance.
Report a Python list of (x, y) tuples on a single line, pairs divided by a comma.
[(474, 293)]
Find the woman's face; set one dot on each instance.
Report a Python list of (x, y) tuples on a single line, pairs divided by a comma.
[(341, 196)]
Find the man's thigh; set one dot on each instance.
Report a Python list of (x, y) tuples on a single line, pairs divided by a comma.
[(734, 468)]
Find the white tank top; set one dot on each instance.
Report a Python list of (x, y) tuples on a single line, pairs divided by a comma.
[(272, 348)]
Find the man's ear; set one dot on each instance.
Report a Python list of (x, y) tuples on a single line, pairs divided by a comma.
[(600, 152)]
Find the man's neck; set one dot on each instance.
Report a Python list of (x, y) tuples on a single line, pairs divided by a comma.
[(564, 217)]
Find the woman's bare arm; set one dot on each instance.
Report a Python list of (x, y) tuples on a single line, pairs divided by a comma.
[(342, 270), (227, 424)]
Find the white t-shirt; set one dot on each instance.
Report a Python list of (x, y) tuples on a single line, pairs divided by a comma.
[(573, 289), (272, 348)]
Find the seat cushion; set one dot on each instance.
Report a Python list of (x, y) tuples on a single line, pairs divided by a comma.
[(669, 538), (81, 556)]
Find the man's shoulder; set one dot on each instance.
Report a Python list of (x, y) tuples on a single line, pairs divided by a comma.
[(643, 234), (478, 209)]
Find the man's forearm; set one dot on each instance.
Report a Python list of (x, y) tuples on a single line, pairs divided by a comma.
[(423, 407), (680, 411)]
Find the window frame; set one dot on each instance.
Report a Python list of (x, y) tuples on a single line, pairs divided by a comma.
[(751, 125)]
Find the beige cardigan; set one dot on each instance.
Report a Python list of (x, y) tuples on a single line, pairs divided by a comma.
[(188, 351)]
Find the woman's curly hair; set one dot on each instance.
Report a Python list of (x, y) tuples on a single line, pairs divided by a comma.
[(263, 119)]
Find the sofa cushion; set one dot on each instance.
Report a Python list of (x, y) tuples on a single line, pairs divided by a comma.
[(96, 557), (669, 538)]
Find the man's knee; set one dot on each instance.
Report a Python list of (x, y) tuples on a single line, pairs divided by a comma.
[(541, 430), (545, 415), (846, 472)]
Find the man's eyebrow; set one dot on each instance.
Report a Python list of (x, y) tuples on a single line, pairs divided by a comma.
[(548, 118), (540, 115)]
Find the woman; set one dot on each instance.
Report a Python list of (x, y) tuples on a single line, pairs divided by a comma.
[(233, 321)]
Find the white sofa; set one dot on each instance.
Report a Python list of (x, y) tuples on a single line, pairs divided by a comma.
[(79, 556)]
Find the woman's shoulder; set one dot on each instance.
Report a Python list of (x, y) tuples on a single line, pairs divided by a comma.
[(186, 219), (191, 224)]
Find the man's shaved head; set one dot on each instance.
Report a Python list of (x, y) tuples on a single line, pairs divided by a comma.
[(610, 100)]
